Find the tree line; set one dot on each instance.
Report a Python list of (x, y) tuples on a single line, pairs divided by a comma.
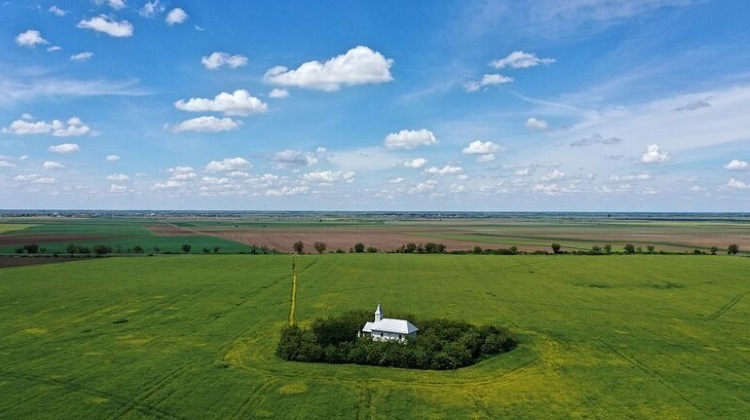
[(441, 344)]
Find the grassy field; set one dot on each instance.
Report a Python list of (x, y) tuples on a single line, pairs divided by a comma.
[(193, 336), (8, 227)]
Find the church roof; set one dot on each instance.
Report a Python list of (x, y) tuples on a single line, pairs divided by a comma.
[(398, 326)]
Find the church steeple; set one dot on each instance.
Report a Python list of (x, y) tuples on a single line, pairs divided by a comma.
[(378, 313)]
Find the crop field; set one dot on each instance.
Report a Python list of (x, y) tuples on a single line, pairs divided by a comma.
[(621, 336), (235, 235)]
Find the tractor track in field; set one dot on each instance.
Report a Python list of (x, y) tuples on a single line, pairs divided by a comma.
[(151, 390), (648, 371), (364, 408), (126, 403), (254, 400), (729, 305)]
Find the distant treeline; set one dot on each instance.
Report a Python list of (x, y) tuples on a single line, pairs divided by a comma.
[(441, 344)]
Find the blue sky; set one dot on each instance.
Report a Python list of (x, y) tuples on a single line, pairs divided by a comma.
[(570, 105)]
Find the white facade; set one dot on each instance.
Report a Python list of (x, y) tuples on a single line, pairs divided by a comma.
[(386, 329)]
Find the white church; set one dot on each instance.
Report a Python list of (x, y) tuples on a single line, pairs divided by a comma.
[(386, 329)]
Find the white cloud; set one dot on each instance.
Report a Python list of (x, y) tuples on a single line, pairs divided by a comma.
[(113, 158), (115, 4), (293, 158), (489, 157), (445, 170), (364, 159), (279, 93), (286, 191), (30, 39), (359, 66), (57, 11), (426, 186), (479, 147), (523, 172), (596, 138), (35, 178), (417, 163), (151, 9), (54, 48), (82, 56), (396, 180), (51, 166), (632, 177), (118, 178), (410, 139), (6, 164), (109, 26), (238, 103), (65, 148), (554, 175), (536, 124), (118, 189), (737, 165), (487, 80), (176, 16), (549, 189), (327, 177), (737, 184), (520, 60), (73, 127), (229, 164), (206, 125), (219, 59), (170, 184), (654, 154)]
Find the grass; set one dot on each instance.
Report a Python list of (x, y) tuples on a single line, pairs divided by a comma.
[(11, 227), (194, 336)]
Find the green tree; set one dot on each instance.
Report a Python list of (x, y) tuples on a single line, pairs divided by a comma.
[(607, 248), (514, 249), (650, 249), (359, 247), (477, 249), (102, 249), (216, 249), (320, 246), (556, 248), (733, 249), (298, 247), (71, 248), (186, 248), (714, 249), (31, 248), (138, 249), (411, 247), (629, 248)]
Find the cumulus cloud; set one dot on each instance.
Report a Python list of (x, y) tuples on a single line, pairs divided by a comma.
[(35, 178), (632, 177), (151, 9), (654, 154), (176, 16), (287, 159), (327, 177), (417, 163), (65, 148), (219, 59), (57, 11), (109, 26), (112, 158), (520, 60), (737, 184), (410, 139), (595, 138), (207, 125), (287, 191), (358, 66), (30, 39), (536, 124), (553, 175), (51, 165), (487, 80), (279, 93), (238, 103), (84, 56), (737, 165), (118, 178), (479, 147), (115, 4), (445, 170), (229, 164), (73, 127), (549, 189), (54, 48)]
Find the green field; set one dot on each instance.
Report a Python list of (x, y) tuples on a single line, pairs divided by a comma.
[(194, 336), (10, 227)]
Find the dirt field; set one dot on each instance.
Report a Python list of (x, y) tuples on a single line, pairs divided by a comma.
[(6, 262)]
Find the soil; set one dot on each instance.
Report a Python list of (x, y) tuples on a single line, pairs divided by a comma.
[(21, 261)]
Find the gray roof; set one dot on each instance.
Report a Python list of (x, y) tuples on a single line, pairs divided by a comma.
[(398, 326)]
